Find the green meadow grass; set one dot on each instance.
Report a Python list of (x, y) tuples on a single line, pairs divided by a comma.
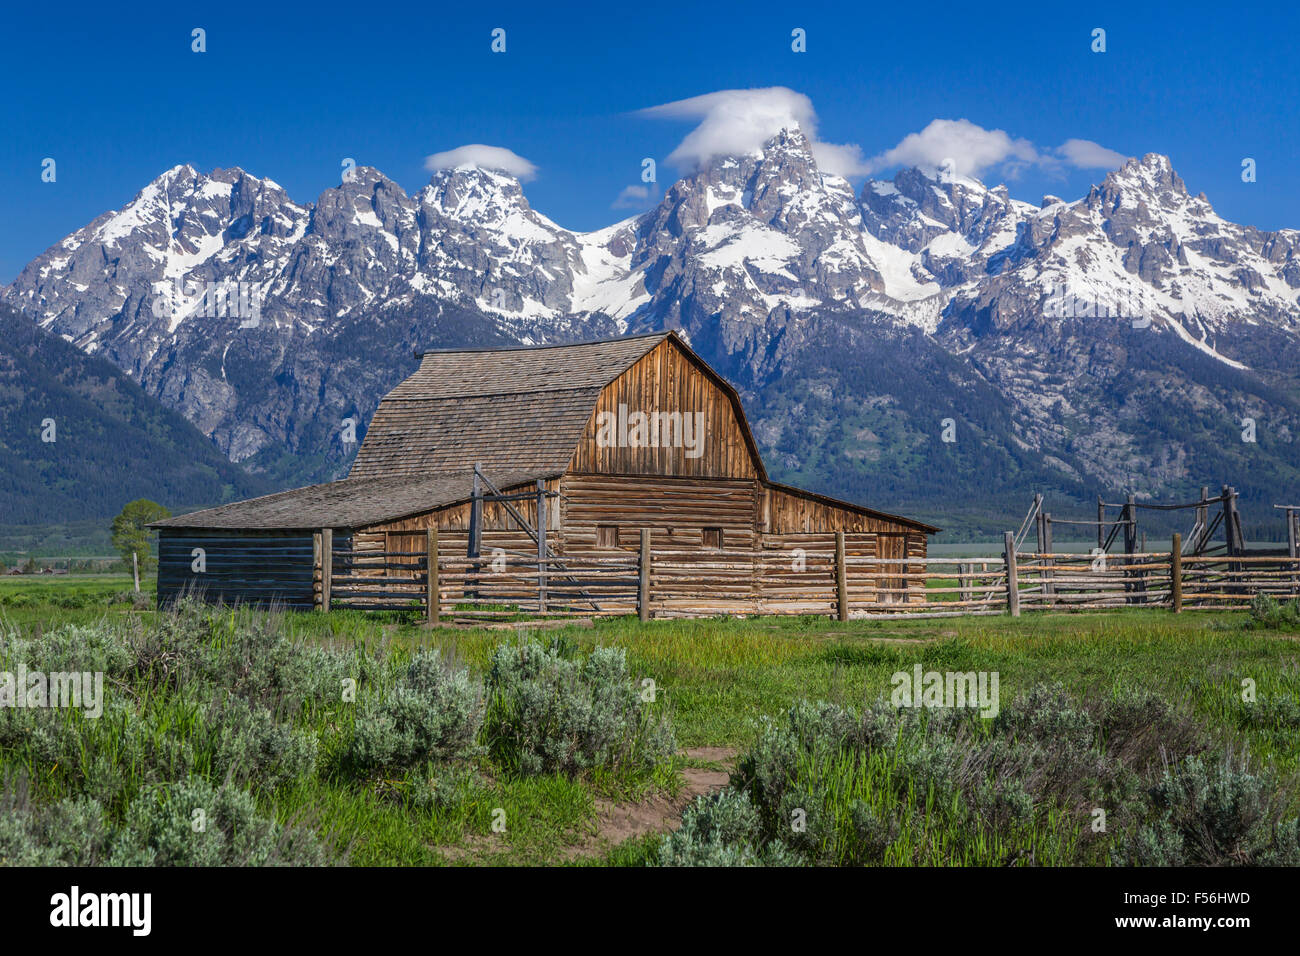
[(718, 678)]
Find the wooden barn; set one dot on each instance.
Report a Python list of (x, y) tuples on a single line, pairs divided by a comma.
[(551, 456)]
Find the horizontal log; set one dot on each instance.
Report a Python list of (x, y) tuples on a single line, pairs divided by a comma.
[(991, 561), (1121, 556), (1243, 559), (896, 614)]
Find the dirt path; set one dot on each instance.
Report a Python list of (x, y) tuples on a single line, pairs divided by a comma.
[(661, 813), (616, 822)]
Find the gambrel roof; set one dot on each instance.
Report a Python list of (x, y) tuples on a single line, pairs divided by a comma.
[(520, 409)]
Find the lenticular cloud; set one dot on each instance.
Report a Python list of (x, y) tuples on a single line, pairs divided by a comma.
[(738, 122), (478, 156), (969, 148)]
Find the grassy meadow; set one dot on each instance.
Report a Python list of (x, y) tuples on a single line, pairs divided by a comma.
[(490, 752)]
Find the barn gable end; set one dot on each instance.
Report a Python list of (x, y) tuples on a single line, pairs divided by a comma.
[(691, 422)]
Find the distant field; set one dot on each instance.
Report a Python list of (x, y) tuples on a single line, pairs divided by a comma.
[(67, 597), (717, 680)]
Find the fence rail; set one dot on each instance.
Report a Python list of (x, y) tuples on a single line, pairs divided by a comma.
[(677, 583)]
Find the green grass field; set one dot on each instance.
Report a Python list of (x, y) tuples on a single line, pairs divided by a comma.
[(717, 680)]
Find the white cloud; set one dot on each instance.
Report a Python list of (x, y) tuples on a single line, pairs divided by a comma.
[(636, 197), (1085, 154), (846, 160), (969, 150), (738, 122), (478, 156)]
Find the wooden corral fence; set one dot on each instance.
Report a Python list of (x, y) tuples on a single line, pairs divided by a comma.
[(834, 582)]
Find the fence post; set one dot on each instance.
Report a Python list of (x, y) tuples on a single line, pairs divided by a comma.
[(841, 583), (474, 546), (1101, 523), (1231, 527), (1202, 521), (315, 570), (432, 593), (643, 582), (1176, 573), (135, 570), (1048, 588), (1013, 589), (326, 566), (541, 546), (1137, 585), (1293, 545), (964, 582)]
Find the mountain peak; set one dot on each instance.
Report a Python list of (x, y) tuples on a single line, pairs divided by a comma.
[(365, 178), (789, 139), (470, 172), (1153, 172), (470, 191), (179, 171)]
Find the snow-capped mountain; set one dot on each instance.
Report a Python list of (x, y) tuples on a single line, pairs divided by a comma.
[(853, 322), (751, 235)]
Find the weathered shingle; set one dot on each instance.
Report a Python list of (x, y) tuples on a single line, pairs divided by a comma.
[(518, 410), (351, 503), (516, 433), (525, 370)]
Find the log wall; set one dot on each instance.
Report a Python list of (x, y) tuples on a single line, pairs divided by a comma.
[(666, 379), (241, 567), (742, 568)]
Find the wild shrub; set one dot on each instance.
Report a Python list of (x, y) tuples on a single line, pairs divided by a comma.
[(250, 746), (549, 713), (125, 749), (829, 785), (721, 829), (826, 782), (1275, 716), (193, 823), (246, 653), (139, 600), (1049, 743), (1215, 813), (1141, 730), (1267, 613), (69, 647), (65, 833), (438, 788), (431, 715), (186, 823)]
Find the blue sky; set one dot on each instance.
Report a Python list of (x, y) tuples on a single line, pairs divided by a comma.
[(114, 94)]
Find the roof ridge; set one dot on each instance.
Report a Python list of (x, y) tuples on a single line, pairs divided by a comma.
[(553, 345), (493, 394)]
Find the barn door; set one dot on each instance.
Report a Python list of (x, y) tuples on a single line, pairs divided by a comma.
[(894, 548)]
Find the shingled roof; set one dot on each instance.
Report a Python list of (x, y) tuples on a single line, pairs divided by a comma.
[(459, 373), (518, 412), (521, 409), (351, 503)]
